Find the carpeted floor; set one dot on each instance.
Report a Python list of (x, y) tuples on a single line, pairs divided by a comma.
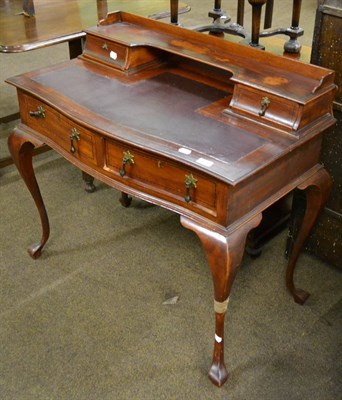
[(87, 321)]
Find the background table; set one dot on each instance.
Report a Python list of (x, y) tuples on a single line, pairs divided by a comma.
[(64, 20), (61, 21)]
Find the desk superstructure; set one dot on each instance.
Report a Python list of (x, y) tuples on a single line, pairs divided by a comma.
[(214, 131)]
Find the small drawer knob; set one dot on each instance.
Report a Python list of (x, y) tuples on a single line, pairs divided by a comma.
[(128, 158), (74, 136), (190, 182)]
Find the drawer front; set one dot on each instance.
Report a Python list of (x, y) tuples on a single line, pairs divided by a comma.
[(161, 177), (65, 133), (105, 50), (262, 106)]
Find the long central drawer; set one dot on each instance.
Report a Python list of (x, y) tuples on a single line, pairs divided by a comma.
[(159, 176)]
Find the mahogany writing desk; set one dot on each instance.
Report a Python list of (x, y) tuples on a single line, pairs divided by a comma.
[(209, 129)]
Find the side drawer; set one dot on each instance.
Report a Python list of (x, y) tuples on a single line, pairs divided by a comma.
[(73, 138), (161, 177), (105, 50), (262, 106)]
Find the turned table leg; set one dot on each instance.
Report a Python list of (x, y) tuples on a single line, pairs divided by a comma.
[(21, 148), (316, 189), (224, 251), (256, 19)]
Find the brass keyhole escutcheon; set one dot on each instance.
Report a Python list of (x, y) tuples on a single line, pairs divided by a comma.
[(190, 182), (264, 104), (128, 158), (40, 113), (74, 136)]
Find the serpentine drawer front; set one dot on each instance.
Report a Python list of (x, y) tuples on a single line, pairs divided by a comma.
[(159, 175), (65, 133)]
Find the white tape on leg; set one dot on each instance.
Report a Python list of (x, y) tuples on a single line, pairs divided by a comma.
[(221, 307)]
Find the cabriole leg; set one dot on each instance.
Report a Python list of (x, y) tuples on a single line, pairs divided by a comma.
[(317, 189), (89, 182), (21, 148), (224, 251), (125, 199)]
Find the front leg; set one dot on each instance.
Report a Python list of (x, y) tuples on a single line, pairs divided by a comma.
[(21, 148), (317, 190), (224, 251)]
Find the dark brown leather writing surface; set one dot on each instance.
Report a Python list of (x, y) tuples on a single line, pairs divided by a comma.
[(149, 106)]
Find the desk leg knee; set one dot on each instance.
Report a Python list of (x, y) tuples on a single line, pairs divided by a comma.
[(224, 251), (21, 149), (317, 189)]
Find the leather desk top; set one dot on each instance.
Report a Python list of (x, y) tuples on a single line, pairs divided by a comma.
[(179, 123)]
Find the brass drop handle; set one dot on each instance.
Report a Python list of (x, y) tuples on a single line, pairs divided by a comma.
[(190, 182), (74, 136), (40, 113), (265, 102), (128, 158)]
